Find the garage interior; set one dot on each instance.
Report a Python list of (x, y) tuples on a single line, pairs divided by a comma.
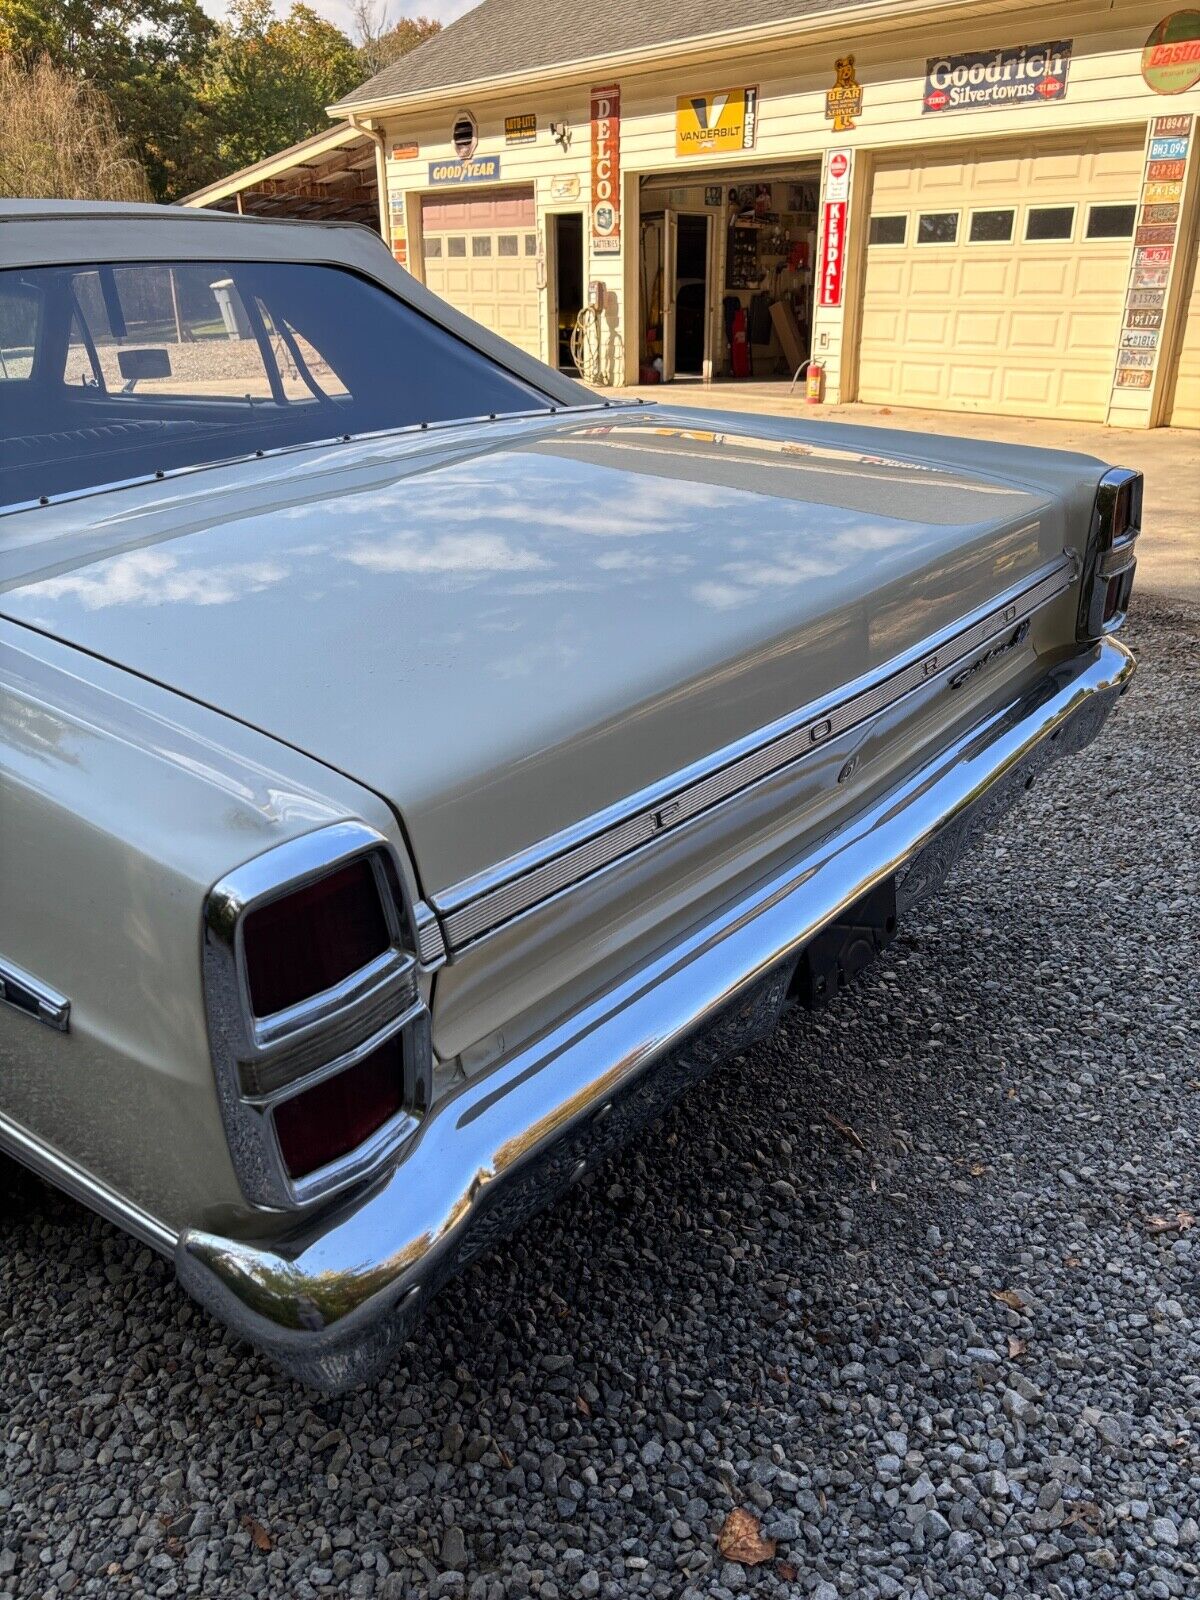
[(726, 275)]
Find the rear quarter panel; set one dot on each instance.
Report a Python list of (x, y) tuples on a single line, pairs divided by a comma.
[(120, 805)]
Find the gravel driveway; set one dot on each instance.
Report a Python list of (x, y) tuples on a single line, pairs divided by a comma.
[(891, 1285)]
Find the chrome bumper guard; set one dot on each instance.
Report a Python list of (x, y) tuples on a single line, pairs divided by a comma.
[(332, 1300)]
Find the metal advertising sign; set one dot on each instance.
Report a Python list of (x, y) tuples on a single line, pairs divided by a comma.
[(606, 170), (837, 175), (521, 129), (844, 101), (565, 188), (405, 150), (833, 252), (479, 169), (721, 121), (1171, 56), (1021, 75)]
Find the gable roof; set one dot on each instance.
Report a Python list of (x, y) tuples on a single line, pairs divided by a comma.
[(503, 37)]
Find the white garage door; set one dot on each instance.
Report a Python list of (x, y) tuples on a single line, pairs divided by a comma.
[(996, 283), (480, 253)]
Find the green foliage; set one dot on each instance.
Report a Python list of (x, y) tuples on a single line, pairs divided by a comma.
[(267, 80), (190, 100), (140, 55), (59, 139)]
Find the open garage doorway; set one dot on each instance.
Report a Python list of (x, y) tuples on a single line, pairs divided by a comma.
[(726, 273), (566, 229)]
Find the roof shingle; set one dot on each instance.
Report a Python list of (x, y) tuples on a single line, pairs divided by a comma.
[(501, 37)]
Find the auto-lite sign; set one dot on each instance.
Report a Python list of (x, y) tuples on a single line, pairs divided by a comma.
[(724, 120), (1022, 75), (606, 171), (521, 129), (834, 211)]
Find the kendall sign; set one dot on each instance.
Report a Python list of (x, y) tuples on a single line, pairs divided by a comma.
[(1023, 75)]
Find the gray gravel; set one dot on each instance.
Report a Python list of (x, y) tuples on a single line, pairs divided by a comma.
[(747, 1310)]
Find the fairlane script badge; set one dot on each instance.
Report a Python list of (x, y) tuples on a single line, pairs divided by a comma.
[(1014, 639)]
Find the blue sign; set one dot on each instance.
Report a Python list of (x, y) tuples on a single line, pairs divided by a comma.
[(478, 169), (1167, 149)]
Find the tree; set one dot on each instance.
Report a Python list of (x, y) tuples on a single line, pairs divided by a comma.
[(141, 56), (59, 138), (266, 80), (380, 41)]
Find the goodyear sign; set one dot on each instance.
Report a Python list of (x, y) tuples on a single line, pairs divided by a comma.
[(477, 170), (723, 121)]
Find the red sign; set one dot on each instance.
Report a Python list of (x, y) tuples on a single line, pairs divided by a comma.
[(1181, 123), (833, 251), (839, 164), (1155, 233), (1163, 171), (606, 171)]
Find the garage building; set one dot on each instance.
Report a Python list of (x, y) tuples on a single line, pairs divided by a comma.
[(957, 206)]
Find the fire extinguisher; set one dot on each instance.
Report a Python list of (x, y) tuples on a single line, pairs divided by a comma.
[(739, 342), (814, 383)]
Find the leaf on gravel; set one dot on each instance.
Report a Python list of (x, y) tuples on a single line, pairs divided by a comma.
[(741, 1539), (844, 1128), (1016, 1347), (1071, 1261), (582, 1405), (977, 1169), (787, 1571), (1180, 1222), (258, 1534), (1009, 1298)]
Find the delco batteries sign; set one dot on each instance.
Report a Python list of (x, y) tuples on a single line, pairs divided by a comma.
[(1023, 75)]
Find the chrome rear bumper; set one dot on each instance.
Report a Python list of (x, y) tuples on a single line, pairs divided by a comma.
[(330, 1301)]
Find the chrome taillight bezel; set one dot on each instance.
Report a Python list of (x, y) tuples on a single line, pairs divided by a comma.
[(259, 1062), (1109, 558)]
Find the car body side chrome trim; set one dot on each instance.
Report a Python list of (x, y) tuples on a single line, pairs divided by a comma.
[(478, 906), (81, 1185), (332, 1297), (32, 997)]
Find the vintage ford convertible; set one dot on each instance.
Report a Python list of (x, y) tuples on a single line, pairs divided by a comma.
[(414, 770)]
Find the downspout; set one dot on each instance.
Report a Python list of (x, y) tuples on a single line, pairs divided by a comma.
[(381, 183)]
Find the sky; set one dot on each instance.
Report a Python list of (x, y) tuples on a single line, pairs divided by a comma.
[(339, 10)]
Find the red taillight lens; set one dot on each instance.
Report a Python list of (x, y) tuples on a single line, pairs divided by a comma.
[(308, 941), (330, 1119)]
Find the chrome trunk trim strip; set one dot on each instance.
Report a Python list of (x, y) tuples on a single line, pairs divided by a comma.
[(333, 1299), (478, 906), (33, 998)]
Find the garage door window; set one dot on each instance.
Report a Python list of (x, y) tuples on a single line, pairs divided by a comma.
[(433, 249), (531, 244), (992, 227), (937, 227), (1049, 223), (481, 245), (1111, 222), (506, 244), (456, 247), (888, 230)]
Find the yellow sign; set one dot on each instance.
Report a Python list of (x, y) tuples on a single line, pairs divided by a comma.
[(724, 121), (845, 100)]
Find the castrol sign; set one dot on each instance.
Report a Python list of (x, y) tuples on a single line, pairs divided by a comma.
[(606, 171)]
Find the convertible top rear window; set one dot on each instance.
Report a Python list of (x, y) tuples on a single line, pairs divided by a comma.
[(111, 372)]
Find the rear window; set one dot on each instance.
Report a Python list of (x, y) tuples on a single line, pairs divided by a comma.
[(112, 372)]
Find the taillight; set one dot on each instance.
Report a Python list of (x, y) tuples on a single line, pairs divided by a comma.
[(320, 1032), (338, 1114), (307, 941), (1109, 559)]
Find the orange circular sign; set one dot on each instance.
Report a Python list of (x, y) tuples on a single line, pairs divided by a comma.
[(1171, 57)]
